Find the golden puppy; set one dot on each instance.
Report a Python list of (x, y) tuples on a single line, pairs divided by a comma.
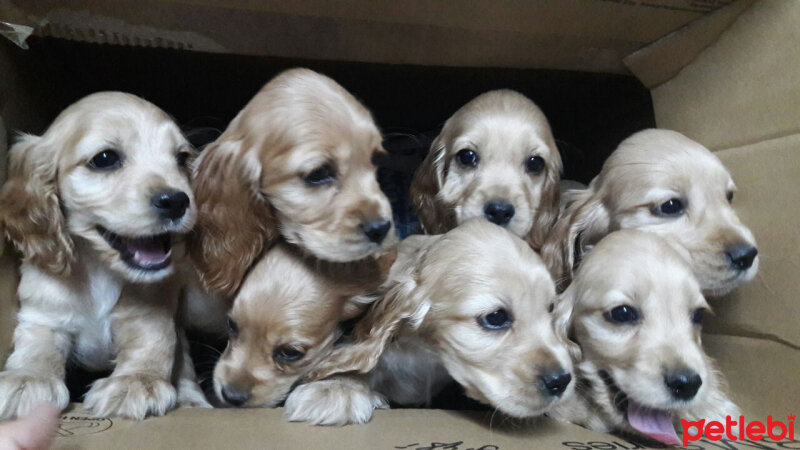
[(98, 206), (665, 183), (296, 162), (473, 304), (636, 313), (286, 317), (495, 158)]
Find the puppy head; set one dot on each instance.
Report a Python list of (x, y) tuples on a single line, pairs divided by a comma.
[(637, 314), (110, 171), (488, 319), (297, 162), (495, 158), (283, 319), (663, 182)]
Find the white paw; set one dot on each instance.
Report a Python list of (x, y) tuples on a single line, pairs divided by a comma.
[(337, 401), (20, 391), (132, 396), (190, 395)]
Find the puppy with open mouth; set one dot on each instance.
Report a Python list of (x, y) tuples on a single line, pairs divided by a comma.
[(98, 206), (635, 310)]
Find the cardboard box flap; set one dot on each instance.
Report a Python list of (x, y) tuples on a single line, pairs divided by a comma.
[(742, 88), (767, 175), (564, 34), (662, 60)]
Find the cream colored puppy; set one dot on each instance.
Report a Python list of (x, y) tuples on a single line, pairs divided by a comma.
[(473, 304), (636, 313), (294, 164), (98, 206), (663, 182), (495, 158), (286, 318)]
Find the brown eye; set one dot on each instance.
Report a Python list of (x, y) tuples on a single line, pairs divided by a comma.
[(106, 160), (287, 353), (467, 158), (672, 207), (233, 328), (321, 176), (182, 158), (534, 164), (729, 196)]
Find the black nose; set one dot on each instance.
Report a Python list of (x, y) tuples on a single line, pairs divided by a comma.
[(741, 256), (376, 230), (555, 383), (234, 396), (170, 204), (498, 212), (683, 384)]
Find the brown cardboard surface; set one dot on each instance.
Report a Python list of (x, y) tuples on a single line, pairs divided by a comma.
[(744, 87), (764, 388), (662, 60), (767, 175), (557, 34)]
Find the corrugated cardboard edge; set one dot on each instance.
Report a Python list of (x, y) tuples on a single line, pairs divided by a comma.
[(664, 59)]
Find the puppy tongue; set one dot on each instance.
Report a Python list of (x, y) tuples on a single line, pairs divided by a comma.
[(149, 251), (652, 422)]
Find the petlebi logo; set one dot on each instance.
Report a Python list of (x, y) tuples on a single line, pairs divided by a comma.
[(738, 430)]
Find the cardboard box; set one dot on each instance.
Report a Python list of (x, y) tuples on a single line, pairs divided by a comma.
[(730, 79)]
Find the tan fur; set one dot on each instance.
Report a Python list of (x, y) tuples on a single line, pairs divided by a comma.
[(426, 326), (647, 169), (290, 300), (504, 128), (642, 270), (79, 299), (250, 182)]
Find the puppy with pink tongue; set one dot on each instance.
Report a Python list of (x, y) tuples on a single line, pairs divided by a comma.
[(636, 311)]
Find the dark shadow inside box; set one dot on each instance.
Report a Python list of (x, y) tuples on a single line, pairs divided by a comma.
[(590, 113)]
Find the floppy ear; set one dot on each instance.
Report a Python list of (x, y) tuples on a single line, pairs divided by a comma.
[(30, 211), (436, 218), (235, 223), (549, 203), (584, 222), (397, 307), (562, 323)]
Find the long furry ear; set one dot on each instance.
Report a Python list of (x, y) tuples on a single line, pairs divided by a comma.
[(30, 211), (562, 323), (235, 223), (397, 307), (428, 180), (584, 222), (549, 204)]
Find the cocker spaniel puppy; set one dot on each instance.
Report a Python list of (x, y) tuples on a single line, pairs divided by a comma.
[(665, 183), (98, 207), (495, 158), (296, 162), (636, 313), (285, 318), (473, 304)]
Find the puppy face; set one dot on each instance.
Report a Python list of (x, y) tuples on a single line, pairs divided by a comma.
[(494, 159), (487, 320), (492, 320), (284, 319), (663, 182), (637, 318), (297, 161), (116, 166)]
